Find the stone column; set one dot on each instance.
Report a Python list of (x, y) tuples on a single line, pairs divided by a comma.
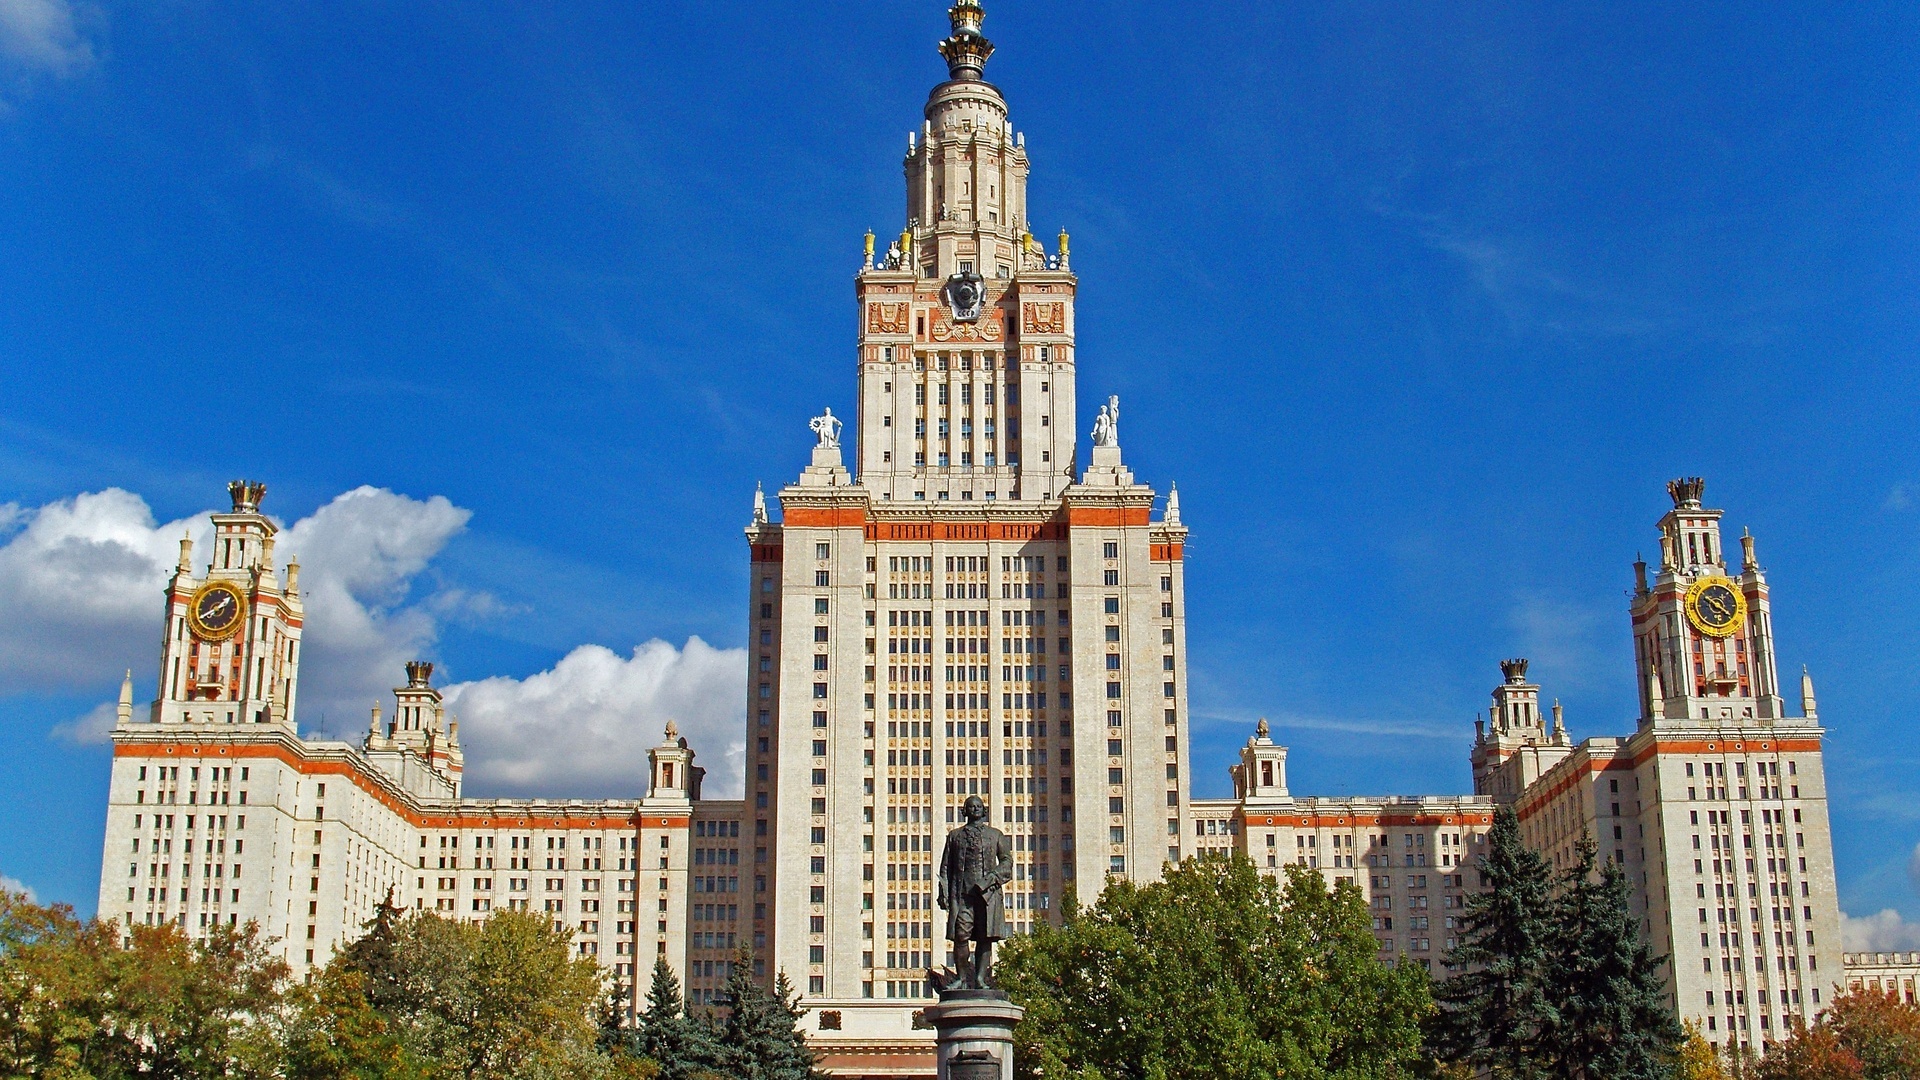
[(976, 1035)]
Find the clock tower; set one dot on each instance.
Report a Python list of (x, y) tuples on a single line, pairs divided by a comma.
[(231, 652), (1703, 632)]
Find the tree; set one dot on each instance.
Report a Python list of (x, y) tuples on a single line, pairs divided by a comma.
[(375, 956), (87, 999), (1493, 1013), (1865, 1033), (1813, 1054), (333, 1032), (1215, 970), (1879, 1029), (1610, 1020), (1698, 1060), (760, 1036), (685, 1047)]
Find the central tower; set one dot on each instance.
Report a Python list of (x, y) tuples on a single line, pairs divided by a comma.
[(967, 611), (966, 328)]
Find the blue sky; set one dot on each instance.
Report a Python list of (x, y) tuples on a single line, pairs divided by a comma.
[(1420, 305)]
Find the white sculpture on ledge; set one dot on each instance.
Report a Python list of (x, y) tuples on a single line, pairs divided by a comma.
[(1106, 426), (826, 429)]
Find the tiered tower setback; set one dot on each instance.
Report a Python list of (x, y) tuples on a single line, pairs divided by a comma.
[(972, 613)]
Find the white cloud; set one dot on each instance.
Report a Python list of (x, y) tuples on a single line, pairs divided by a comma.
[(80, 589), (81, 583), (43, 36), (1884, 932), (90, 728), (1560, 637), (583, 727), (359, 555), (15, 885)]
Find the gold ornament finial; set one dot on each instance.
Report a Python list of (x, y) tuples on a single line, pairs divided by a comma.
[(966, 50)]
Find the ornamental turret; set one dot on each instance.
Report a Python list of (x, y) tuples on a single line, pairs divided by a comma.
[(232, 646), (1703, 632)]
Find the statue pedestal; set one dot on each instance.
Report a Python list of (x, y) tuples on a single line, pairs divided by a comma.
[(976, 1035)]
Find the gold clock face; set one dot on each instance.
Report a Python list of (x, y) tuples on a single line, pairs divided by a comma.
[(216, 610), (1715, 606)]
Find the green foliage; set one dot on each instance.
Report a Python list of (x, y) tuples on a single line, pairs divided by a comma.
[(496, 999), (1865, 1034), (1216, 971), (685, 1047), (475, 1001), (1492, 1015), (375, 956), (1555, 980), (333, 1032), (1610, 1017), (760, 1037), (79, 999), (1698, 1060)]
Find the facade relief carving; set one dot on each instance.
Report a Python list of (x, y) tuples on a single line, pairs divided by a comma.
[(1048, 318), (887, 318)]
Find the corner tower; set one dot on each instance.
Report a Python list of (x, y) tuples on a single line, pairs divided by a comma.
[(231, 651), (1703, 635)]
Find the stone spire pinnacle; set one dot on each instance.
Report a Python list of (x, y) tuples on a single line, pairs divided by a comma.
[(123, 710), (1807, 705), (966, 51)]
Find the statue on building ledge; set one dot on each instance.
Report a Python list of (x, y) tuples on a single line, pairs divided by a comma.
[(826, 430), (975, 863)]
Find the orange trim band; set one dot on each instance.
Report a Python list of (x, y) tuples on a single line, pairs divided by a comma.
[(1088, 516), (824, 517), (412, 816)]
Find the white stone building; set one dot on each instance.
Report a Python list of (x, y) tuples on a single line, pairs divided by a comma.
[(968, 609)]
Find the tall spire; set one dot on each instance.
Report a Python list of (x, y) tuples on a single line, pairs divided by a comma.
[(967, 50)]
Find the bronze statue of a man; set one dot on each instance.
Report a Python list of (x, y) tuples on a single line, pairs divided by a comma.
[(975, 863)]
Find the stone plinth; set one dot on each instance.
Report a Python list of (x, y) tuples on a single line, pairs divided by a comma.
[(976, 1035)]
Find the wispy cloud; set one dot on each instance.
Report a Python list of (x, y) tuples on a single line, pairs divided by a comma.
[(1281, 722), (1533, 293), (15, 885), (1560, 635), (43, 37), (1886, 931), (91, 728), (1900, 497)]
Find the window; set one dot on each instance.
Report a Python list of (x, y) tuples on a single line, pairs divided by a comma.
[(1110, 550)]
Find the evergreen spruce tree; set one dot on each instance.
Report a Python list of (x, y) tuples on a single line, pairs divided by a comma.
[(375, 956), (685, 1047), (1493, 1014), (1610, 1017), (761, 1036), (614, 1038)]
